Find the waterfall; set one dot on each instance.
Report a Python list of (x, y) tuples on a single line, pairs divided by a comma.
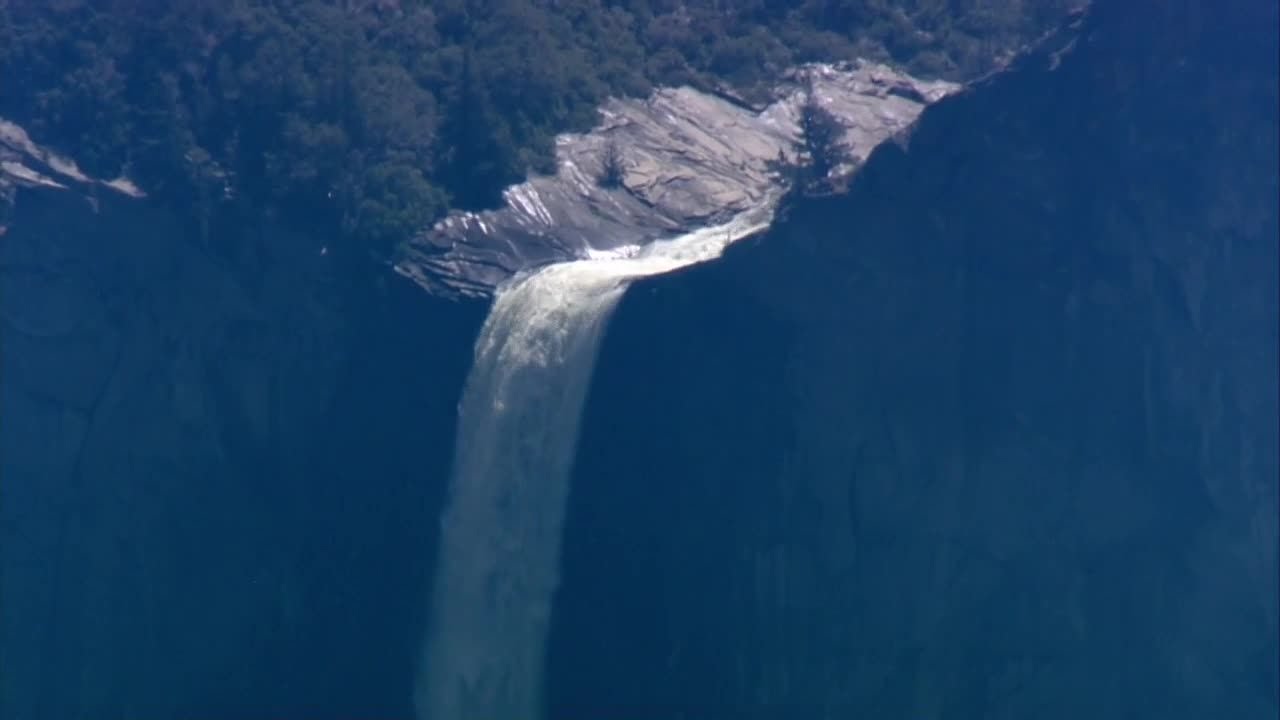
[(499, 556)]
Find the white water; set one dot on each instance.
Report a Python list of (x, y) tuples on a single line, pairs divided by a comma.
[(518, 421)]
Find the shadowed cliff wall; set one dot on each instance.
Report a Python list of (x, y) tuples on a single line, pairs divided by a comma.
[(216, 470), (994, 435)]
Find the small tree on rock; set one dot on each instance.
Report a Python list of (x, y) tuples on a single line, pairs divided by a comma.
[(819, 145), (611, 167)]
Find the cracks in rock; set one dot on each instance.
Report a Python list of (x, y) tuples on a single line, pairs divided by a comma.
[(73, 511)]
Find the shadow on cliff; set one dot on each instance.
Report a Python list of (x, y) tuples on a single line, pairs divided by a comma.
[(992, 435), (219, 468)]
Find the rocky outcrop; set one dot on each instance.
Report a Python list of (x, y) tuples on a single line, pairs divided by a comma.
[(24, 164), (992, 436), (688, 159)]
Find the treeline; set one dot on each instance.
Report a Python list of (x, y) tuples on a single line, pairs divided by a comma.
[(379, 115)]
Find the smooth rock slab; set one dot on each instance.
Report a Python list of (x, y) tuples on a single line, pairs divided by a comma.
[(690, 159)]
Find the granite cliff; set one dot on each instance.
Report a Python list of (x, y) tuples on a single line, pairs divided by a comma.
[(224, 442), (992, 435), (202, 459)]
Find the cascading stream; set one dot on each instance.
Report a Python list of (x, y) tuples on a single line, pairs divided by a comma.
[(499, 558)]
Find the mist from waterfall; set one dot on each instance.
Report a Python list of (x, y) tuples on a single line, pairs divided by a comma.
[(499, 557)]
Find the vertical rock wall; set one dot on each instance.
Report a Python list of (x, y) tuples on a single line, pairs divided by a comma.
[(216, 469), (994, 435)]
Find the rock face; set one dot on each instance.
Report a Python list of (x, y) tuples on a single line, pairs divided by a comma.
[(992, 436), (688, 159), (203, 462), (24, 164), (221, 454)]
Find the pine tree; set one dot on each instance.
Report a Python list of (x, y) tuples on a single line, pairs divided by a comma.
[(819, 146), (611, 166)]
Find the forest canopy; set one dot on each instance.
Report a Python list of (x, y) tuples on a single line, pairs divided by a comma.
[(377, 116)]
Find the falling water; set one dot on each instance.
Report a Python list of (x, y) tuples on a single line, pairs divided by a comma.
[(518, 422)]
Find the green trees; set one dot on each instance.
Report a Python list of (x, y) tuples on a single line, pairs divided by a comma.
[(817, 152), (375, 116), (819, 147)]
